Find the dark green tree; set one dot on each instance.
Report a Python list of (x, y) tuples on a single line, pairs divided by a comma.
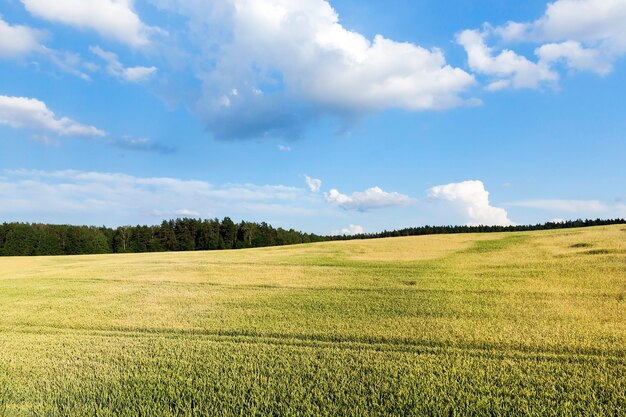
[(228, 233)]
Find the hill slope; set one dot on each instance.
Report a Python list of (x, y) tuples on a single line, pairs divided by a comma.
[(517, 323)]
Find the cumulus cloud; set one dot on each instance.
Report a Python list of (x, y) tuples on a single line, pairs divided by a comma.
[(18, 40), (113, 19), (33, 114), (370, 199), (353, 229), (115, 67), (581, 35), (93, 197), (589, 34), (575, 56), (276, 65), (138, 74), (314, 184), (473, 200), (589, 21), (508, 68)]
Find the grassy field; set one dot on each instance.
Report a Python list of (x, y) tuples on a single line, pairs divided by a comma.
[(527, 323)]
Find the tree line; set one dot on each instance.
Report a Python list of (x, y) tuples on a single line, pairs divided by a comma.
[(28, 239), (440, 230)]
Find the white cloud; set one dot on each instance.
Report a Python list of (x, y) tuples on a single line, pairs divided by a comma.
[(329, 64), (187, 213), (33, 114), (314, 184), (582, 35), (284, 148), (97, 197), (370, 199), (115, 67), (292, 61), (18, 40), (353, 229), (575, 56), (508, 68), (68, 62), (473, 200), (138, 74), (113, 19), (590, 21), (510, 31)]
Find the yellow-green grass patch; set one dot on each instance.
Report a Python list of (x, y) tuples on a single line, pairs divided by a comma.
[(529, 323)]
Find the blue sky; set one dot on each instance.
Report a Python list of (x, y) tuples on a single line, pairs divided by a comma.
[(341, 116)]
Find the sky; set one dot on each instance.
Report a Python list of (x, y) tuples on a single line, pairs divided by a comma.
[(341, 116)]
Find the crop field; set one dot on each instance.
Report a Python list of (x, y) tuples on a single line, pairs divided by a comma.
[(530, 323)]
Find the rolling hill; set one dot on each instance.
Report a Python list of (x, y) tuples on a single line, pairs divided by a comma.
[(528, 323)]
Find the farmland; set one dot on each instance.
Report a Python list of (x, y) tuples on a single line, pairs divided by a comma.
[(530, 323)]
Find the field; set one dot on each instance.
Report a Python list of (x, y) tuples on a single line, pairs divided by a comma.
[(529, 323)]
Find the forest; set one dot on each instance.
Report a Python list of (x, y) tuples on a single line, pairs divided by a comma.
[(30, 239)]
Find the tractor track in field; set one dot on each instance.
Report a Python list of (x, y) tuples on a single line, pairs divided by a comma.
[(383, 345), (408, 288)]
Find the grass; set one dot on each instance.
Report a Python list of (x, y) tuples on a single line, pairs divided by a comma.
[(526, 323)]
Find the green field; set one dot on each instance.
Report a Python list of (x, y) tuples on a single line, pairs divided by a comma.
[(529, 323)]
